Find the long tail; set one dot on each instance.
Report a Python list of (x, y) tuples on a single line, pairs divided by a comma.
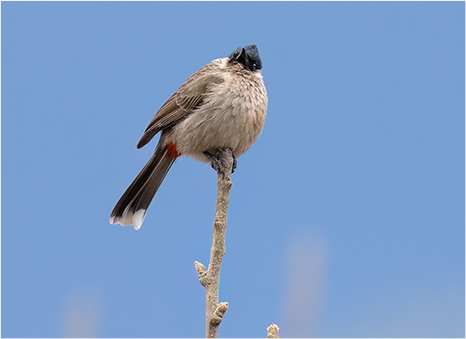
[(132, 206)]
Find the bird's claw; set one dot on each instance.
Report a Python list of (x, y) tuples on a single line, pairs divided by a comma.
[(223, 159)]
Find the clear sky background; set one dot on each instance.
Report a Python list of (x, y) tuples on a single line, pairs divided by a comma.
[(346, 217)]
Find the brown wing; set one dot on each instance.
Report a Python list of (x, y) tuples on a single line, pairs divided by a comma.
[(182, 103)]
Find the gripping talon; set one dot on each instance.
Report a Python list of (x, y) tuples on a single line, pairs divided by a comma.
[(217, 160), (235, 162)]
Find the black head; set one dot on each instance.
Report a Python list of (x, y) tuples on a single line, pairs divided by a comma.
[(247, 56)]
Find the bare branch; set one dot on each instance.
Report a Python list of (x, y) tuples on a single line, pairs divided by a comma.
[(223, 162)]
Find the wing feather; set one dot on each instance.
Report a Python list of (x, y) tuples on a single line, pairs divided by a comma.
[(183, 102)]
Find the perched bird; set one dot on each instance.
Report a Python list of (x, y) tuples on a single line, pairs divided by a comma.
[(221, 106)]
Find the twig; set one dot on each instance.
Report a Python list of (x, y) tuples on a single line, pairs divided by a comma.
[(210, 278), (272, 331)]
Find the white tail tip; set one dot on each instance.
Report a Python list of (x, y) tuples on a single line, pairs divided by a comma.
[(128, 219), (138, 219)]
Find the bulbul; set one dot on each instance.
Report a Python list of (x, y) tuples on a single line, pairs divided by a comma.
[(221, 106)]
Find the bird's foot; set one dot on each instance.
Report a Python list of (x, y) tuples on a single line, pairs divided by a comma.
[(224, 161)]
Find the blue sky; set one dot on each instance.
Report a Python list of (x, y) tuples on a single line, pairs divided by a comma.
[(346, 217)]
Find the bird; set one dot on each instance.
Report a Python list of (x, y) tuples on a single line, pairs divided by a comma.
[(223, 105)]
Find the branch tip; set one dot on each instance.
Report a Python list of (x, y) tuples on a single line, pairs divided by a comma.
[(218, 314), (200, 268), (272, 331), (221, 309)]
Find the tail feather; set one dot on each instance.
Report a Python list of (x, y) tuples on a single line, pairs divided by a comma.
[(132, 206)]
